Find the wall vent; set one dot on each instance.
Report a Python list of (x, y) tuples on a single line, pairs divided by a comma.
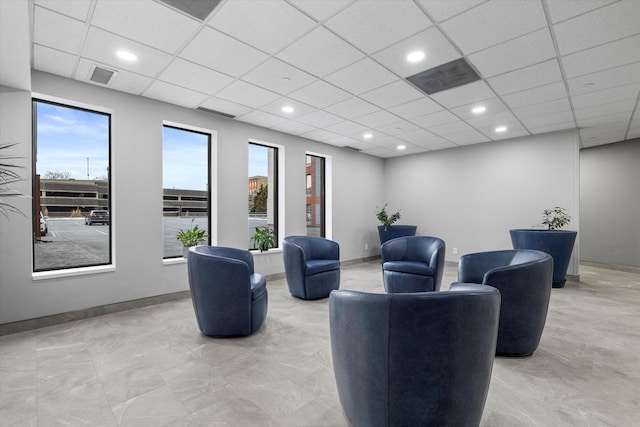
[(199, 9), (446, 76), (217, 113), (101, 75)]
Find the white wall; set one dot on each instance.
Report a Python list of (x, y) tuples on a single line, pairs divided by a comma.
[(137, 183), (471, 196), (610, 204)]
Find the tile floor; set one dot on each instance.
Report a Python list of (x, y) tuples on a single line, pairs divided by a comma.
[(152, 367)]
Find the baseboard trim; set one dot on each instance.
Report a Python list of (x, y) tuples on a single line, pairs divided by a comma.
[(57, 319), (625, 268)]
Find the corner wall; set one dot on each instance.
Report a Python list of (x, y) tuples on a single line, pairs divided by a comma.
[(610, 204), (471, 196)]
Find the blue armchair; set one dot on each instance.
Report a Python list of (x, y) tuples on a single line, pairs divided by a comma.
[(312, 266), (229, 299), (420, 359), (412, 264), (523, 278)]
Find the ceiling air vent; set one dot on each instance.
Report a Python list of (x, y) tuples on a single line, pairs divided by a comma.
[(446, 76), (101, 75), (198, 9), (217, 113), (348, 147)]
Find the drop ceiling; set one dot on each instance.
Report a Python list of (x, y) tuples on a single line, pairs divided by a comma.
[(544, 65)]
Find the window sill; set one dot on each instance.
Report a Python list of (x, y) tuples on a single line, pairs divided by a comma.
[(172, 261), (255, 252), (70, 272)]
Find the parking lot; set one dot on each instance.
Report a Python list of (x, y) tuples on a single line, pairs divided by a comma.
[(71, 243)]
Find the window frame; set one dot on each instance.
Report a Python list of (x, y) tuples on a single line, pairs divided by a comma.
[(85, 269), (279, 203), (212, 190), (328, 192)]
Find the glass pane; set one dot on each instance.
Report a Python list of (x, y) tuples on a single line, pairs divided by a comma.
[(185, 186), (71, 200), (315, 196), (262, 190)]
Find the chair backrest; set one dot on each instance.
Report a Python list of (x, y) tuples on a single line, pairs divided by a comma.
[(315, 247), (412, 248), (414, 359)]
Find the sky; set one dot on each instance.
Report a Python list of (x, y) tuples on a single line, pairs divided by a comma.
[(68, 136)]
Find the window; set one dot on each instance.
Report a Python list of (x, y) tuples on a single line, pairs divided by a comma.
[(263, 189), (186, 191), (315, 200), (71, 187)]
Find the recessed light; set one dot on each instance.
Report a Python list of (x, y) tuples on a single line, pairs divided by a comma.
[(479, 109), (501, 129), (415, 56), (401, 147), (367, 135), (127, 56), (287, 109)]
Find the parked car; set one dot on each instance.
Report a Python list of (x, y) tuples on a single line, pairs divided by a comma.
[(44, 227), (100, 217)]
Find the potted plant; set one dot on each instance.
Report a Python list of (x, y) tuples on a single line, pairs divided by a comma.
[(557, 243), (387, 230), (8, 176), (263, 238), (191, 237)]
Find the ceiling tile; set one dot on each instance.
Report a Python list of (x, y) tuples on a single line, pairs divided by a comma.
[(601, 26), (491, 105), (610, 55), (618, 118), (536, 95), (347, 128), (416, 108), (174, 94), (527, 78), (266, 25), (362, 76), (449, 128), (605, 96), (384, 153), (560, 10), (514, 130), (74, 9), (260, 118), (467, 137), (319, 119), (320, 94), (399, 92), (57, 31), (101, 46), (149, 23), (517, 53), (213, 50), (321, 10), (320, 135), (125, 81), (373, 28), (247, 94), (619, 76), (441, 10), (434, 119), (340, 141), (465, 94), (592, 137), (292, 127), (490, 121), (421, 137), (299, 108), (537, 127), (53, 61), (619, 107), (320, 53), (437, 48), (224, 106), (493, 23), (351, 108), (398, 128), (194, 77), (551, 107), (378, 118), (549, 120), (278, 76)]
